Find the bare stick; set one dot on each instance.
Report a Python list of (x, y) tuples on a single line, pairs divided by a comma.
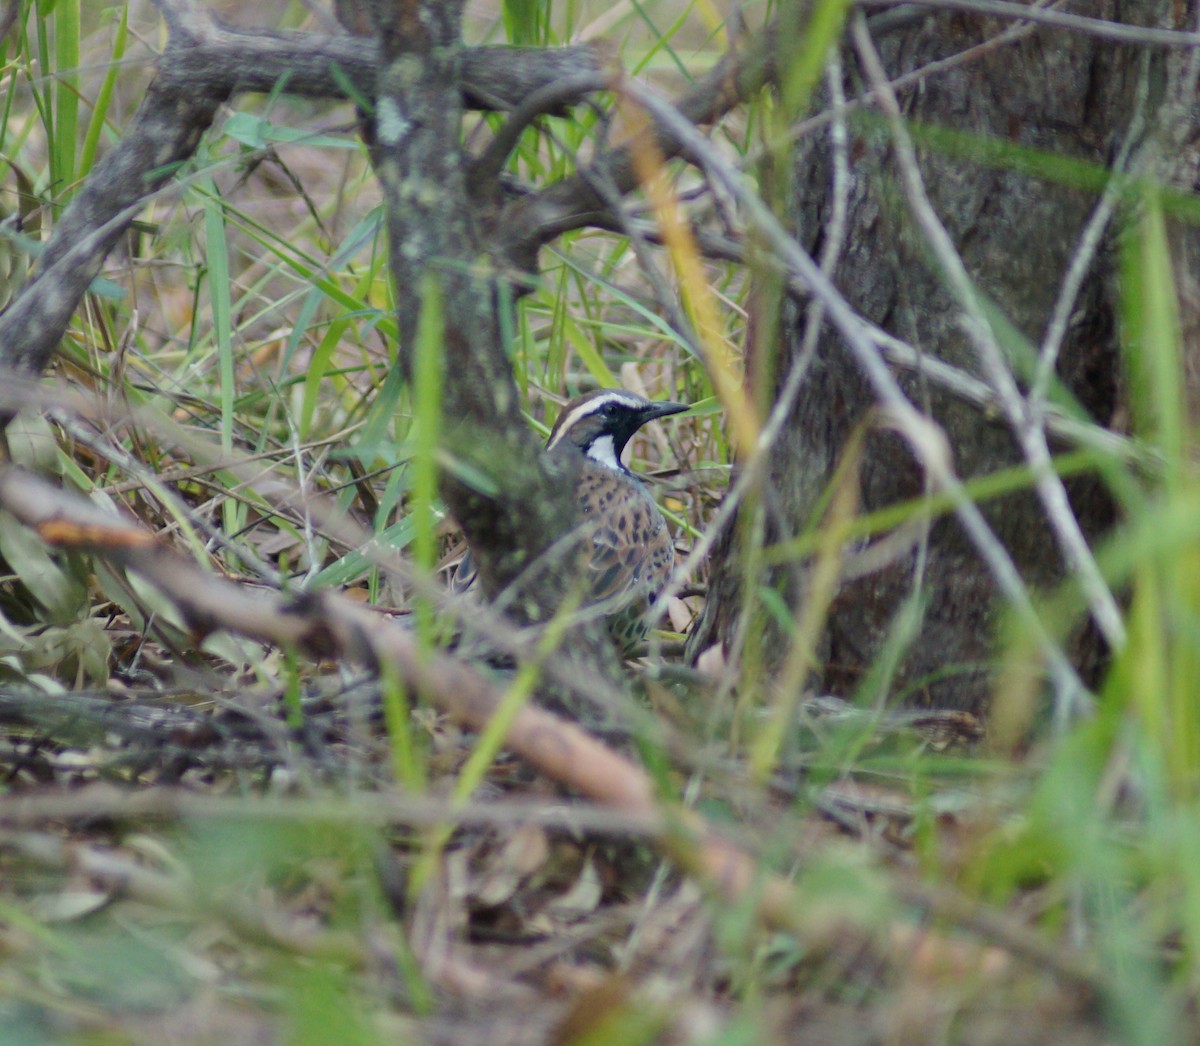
[(1081, 260), (1098, 27)]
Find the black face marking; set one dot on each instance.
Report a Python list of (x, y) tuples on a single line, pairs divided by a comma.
[(604, 421), (631, 554)]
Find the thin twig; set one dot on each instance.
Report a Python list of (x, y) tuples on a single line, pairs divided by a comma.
[(550, 98), (1070, 428), (1085, 252), (1098, 27), (917, 77)]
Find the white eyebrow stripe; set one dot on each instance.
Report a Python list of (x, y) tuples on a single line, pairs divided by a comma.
[(590, 407)]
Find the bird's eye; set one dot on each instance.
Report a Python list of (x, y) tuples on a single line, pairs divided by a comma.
[(610, 410)]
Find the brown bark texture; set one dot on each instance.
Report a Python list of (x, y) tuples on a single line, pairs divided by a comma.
[(1063, 95)]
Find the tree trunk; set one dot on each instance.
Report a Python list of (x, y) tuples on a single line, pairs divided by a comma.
[(1064, 95)]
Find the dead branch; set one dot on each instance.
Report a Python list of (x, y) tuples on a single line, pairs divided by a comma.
[(376, 809)]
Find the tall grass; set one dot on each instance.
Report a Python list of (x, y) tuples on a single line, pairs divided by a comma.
[(258, 316)]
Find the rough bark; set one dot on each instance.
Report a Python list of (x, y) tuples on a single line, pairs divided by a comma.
[(1066, 95)]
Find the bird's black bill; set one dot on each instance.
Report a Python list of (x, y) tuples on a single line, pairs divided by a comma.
[(662, 409)]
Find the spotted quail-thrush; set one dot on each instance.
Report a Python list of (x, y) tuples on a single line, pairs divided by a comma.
[(631, 554)]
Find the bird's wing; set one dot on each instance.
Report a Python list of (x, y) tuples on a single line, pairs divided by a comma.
[(631, 546), (464, 574), (615, 566)]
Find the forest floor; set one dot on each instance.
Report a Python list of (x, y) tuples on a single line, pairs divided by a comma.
[(229, 865)]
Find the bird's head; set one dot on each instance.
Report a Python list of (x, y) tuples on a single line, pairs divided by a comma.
[(599, 424)]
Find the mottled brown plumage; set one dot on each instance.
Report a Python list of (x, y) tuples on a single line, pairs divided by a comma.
[(631, 551)]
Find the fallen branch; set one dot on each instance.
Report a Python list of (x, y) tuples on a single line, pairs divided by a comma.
[(323, 625)]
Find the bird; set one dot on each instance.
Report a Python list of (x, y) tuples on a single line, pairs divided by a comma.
[(631, 554)]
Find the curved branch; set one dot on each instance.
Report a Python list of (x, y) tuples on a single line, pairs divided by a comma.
[(545, 100), (532, 221), (1101, 28), (164, 133), (222, 60)]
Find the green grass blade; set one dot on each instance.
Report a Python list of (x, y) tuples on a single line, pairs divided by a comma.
[(428, 357), (66, 95), (527, 22), (1153, 349), (91, 141), (217, 265), (318, 372)]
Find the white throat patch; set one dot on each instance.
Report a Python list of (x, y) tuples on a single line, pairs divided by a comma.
[(603, 451)]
